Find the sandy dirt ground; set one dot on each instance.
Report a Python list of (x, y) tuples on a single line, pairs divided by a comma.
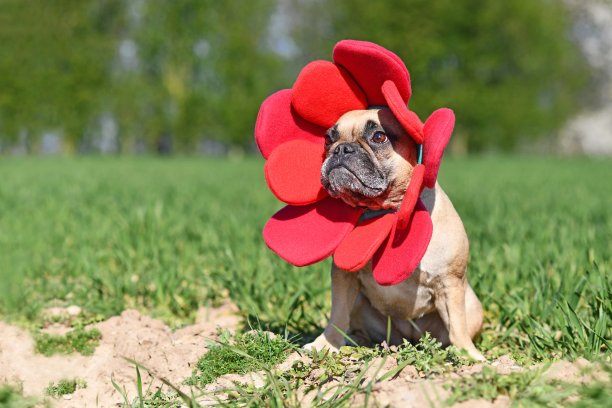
[(131, 335), (171, 355)]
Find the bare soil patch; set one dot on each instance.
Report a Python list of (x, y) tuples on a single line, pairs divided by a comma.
[(172, 355), (132, 335)]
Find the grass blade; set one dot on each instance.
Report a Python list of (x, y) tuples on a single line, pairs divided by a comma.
[(121, 392), (139, 387)]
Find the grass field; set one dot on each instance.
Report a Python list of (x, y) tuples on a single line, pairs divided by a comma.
[(167, 236)]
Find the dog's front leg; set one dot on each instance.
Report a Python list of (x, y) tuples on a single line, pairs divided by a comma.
[(450, 303), (345, 288)]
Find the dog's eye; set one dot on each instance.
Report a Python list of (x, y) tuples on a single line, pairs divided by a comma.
[(328, 140), (379, 137)]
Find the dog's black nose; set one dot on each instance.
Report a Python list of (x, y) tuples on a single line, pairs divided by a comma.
[(345, 148)]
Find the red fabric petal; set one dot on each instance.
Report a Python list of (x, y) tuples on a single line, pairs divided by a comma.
[(307, 234), (437, 131), (370, 65), (398, 257), (325, 91), (410, 197), (359, 246), (408, 119), (277, 123), (293, 172)]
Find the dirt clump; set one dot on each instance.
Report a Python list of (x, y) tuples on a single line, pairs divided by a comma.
[(131, 335)]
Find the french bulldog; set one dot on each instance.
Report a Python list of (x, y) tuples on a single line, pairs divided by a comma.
[(369, 163)]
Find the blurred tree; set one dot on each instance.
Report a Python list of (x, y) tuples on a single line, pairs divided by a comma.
[(165, 74), (202, 74), (507, 68), (165, 71), (53, 67)]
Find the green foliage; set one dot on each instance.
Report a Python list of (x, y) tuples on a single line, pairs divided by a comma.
[(530, 388), (284, 391), (53, 67), (344, 374), (489, 384), (429, 357), (597, 393), (248, 352), (507, 68), (280, 389), (80, 340), (190, 70), (214, 72), (588, 334), (536, 236), (11, 397), (170, 236), (165, 237), (64, 387)]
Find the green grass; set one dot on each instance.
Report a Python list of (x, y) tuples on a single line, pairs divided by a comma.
[(540, 251), (12, 397), (248, 352), (167, 236), (64, 387), (530, 388), (80, 340), (162, 236), (488, 385)]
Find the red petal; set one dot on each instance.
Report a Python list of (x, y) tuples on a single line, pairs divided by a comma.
[(325, 91), (437, 131), (409, 120), (307, 234), (370, 65), (277, 123), (398, 257), (410, 198), (293, 172), (359, 246)]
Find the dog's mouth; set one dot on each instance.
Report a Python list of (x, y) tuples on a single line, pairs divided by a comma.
[(341, 180)]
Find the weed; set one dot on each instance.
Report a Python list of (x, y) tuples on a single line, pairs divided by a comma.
[(281, 392), (489, 384), (80, 340), (429, 357), (530, 388), (246, 353), (64, 387)]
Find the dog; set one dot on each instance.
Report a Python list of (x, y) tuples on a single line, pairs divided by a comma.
[(368, 163)]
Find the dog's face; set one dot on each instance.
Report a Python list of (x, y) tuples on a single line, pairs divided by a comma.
[(370, 159)]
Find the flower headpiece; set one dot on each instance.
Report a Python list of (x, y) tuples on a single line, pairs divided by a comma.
[(290, 133)]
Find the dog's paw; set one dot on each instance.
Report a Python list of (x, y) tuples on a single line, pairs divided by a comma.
[(476, 355), (321, 343)]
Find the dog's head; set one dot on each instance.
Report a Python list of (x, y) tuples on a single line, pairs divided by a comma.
[(370, 159)]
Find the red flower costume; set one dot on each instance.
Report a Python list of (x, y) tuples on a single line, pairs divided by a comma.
[(290, 133)]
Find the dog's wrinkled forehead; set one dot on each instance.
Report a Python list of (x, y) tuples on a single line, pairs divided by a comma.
[(353, 124)]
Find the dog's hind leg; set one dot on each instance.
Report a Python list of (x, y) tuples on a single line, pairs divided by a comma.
[(345, 288)]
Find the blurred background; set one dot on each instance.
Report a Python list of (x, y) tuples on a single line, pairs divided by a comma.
[(188, 76)]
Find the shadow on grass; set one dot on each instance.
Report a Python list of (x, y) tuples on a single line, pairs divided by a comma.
[(299, 332)]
